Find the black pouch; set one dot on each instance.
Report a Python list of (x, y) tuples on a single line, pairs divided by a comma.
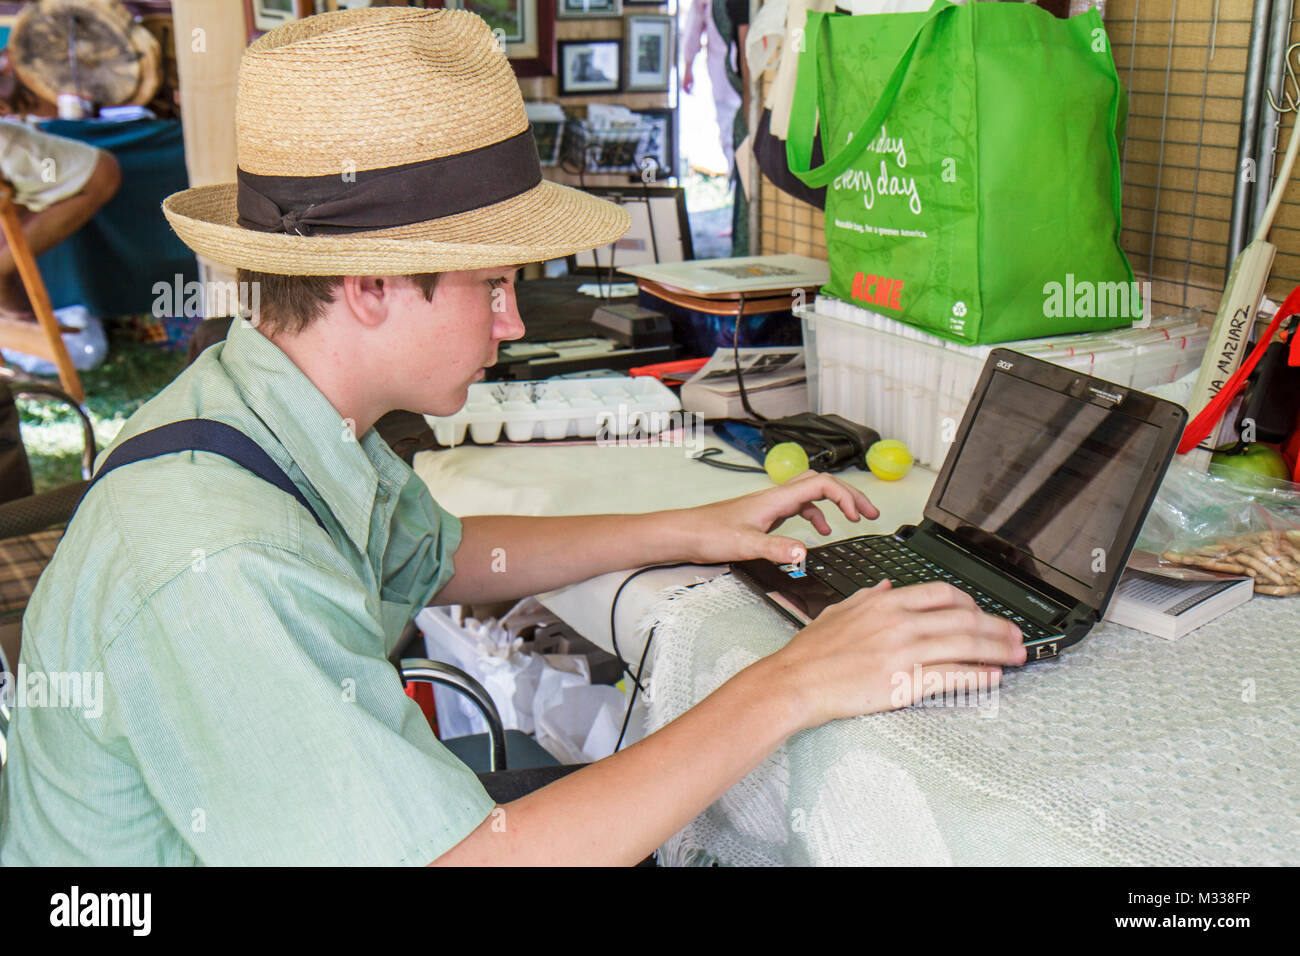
[(832, 443), (769, 152), (1272, 397)]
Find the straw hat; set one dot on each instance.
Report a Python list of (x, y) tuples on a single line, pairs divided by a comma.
[(384, 141)]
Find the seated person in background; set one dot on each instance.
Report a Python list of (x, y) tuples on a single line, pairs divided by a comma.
[(58, 183), (249, 713)]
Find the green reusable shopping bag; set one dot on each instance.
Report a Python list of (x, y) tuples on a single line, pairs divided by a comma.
[(973, 168)]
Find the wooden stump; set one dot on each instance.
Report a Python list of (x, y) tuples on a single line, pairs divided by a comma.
[(93, 48)]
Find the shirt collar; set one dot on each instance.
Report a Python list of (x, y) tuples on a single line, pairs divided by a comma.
[(345, 471)]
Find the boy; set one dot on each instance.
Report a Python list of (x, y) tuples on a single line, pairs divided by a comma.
[(249, 714)]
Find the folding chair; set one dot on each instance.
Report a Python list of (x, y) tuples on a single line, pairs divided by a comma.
[(45, 338)]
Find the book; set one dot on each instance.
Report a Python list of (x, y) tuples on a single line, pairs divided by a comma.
[(744, 274), (1171, 602), (775, 383)]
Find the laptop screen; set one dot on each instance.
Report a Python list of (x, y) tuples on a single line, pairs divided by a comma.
[(1047, 478)]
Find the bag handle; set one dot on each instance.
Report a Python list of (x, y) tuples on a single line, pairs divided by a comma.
[(1199, 428), (809, 104)]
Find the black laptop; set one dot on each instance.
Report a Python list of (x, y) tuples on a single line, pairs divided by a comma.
[(1033, 514)]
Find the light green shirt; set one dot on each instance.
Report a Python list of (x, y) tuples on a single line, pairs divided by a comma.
[(248, 713)]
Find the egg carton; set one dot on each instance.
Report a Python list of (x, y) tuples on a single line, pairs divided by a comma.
[(559, 408)]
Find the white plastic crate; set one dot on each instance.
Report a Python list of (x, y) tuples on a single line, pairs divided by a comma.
[(913, 386), (559, 408)]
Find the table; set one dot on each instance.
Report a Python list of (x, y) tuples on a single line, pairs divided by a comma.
[(1127, 750)]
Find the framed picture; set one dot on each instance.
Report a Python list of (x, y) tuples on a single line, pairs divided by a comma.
[(572, 9), (662, 143), (660, 230), (527, 27), (649, 44), (548, 122), (589, 66), (261, 16)]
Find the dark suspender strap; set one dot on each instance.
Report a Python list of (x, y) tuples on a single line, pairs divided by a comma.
[(201, 434)]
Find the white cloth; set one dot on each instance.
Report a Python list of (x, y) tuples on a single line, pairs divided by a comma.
[(765, 37), (1129, 750), (781, 93), (43, 169)]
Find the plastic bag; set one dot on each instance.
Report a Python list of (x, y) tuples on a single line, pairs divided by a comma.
[(550, 694), (582, 726), (486, 651), (1228, 520), (87, 346)]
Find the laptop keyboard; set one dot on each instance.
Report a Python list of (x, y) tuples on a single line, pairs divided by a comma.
[(848, 566)]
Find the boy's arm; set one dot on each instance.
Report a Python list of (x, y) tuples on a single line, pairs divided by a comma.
[(505, 557)]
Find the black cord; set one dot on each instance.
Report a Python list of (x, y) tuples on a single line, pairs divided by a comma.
[(827, 442), (649, 209), (640, 667), (613, 637), (707, 455), (735, 352)]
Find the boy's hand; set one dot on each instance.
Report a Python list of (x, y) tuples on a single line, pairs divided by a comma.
[(737, 529), (858, 656)]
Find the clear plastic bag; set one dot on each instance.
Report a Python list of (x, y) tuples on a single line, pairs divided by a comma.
[(87, 344), (547, 694), (1228, 520)]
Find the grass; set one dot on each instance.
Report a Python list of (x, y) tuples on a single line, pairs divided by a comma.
[(706, 192), (131, 374)]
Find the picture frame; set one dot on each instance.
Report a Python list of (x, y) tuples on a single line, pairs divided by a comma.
[(548, 121), (671, 239), (528, 29), (649, 52), (590, 66), (587, 9), (664, 145), (262, 16)]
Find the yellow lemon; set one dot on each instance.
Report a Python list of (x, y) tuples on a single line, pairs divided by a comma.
[(889, 459), (785, 461)]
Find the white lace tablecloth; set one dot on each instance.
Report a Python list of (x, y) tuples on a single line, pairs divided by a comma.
[(1128, 750)]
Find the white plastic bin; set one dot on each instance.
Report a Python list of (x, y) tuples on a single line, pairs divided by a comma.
[(913, 386)]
